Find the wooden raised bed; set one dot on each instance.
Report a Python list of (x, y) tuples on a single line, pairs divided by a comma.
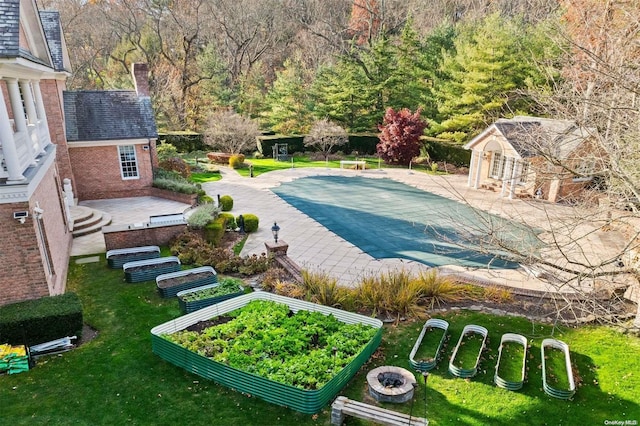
[(146, 270), (561, 375), (506, 360), (171, 284), (118, 257), (469, 332), (188, 306), (429, 361)]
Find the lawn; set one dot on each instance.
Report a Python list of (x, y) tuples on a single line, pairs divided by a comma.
[(116, 379)]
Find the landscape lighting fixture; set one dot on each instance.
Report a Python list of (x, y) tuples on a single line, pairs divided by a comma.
[(274, 230)]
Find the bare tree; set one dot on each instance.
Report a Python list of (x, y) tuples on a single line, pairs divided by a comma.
[(325, 135), (228, 131)]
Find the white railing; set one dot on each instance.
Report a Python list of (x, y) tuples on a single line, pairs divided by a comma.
[(45, 137), (34, 137), (25, 158)]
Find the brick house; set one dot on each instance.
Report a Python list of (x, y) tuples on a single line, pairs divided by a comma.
[(534, 157), (52, 142)]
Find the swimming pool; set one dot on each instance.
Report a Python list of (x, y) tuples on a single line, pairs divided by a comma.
[(389, 219)]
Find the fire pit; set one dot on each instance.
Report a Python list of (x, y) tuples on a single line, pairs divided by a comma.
[(391, 384)]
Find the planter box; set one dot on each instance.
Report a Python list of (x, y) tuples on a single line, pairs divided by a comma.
[(171, 284), (188, 306), (305, 401), (550, 390), (428, 364), (147, 270), (117, 258), (468, 372), (500, 381)]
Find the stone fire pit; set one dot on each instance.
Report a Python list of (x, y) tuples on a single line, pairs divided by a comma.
[(391, 384)]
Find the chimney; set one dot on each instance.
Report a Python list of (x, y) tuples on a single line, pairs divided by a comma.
[(141, 78)]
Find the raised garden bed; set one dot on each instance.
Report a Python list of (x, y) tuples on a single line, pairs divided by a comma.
[(201, 297), (426, 350), (172, 283), (466, 355), (254, 382), (557, 374), (512, 359), (146, 270), (118, 257)]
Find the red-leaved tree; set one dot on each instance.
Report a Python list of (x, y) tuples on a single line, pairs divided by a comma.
[(400, 136)]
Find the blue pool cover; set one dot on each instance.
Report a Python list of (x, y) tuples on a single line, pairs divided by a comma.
[(389, 219)]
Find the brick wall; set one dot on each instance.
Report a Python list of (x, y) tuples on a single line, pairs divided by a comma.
[(52, 98), (146, 236), (23, 274), (97, 173)]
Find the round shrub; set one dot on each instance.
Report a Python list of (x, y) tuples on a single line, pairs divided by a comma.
[(226, 202), (236, 161), (231, 220), (250, 222)]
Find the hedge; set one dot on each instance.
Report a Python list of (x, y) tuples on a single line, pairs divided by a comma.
[(450, 153), (214, 231), (250, 222), (365, 144), (184, 141), (38, 321)]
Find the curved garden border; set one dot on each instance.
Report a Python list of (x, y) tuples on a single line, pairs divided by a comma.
[(423, 366), (466, 372), (550, 390), (186, 283), (499, 381)]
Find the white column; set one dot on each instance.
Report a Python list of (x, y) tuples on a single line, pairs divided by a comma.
[(8, 144), (32, 116), (471, 168), (478, 171), (42, 114), (18, 114), (504, 176), (514, 178)]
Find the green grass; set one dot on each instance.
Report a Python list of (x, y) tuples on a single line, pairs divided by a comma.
[(116, 379), (201, 177), (469, 350), (511, 362), (556, 368), (429, 346)]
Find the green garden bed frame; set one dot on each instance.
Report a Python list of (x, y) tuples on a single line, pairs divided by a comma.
[(501, 382), (158, 266), (550, 390), (428, 365), (188, 306), (468, 372), (171, 291), (118, 257), (304, 401)]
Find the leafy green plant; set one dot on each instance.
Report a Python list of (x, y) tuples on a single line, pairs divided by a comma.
[(227, 285), (305, 349), (231, 220), (226, 203), (175, 186), (202, 216)]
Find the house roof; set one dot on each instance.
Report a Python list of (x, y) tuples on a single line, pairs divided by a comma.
[(533, 136), (11, 12), (9, 28), (53, 32), (99, 115)]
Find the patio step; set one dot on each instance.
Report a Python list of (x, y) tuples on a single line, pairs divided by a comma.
[(87, 220)]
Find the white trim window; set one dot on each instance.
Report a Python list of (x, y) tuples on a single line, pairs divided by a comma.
[(128, 162), (497, 165)]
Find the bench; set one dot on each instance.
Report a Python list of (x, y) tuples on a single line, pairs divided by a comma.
[(344, 406), (352, 162)]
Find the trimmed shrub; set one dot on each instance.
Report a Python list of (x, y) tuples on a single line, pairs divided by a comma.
[(176, 164), (205, 199), (231, 220), (250, 222), (214, 231), (183, 141), (42, 320), (236, 161), (166, 151), (226, 203), (448, 152)]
